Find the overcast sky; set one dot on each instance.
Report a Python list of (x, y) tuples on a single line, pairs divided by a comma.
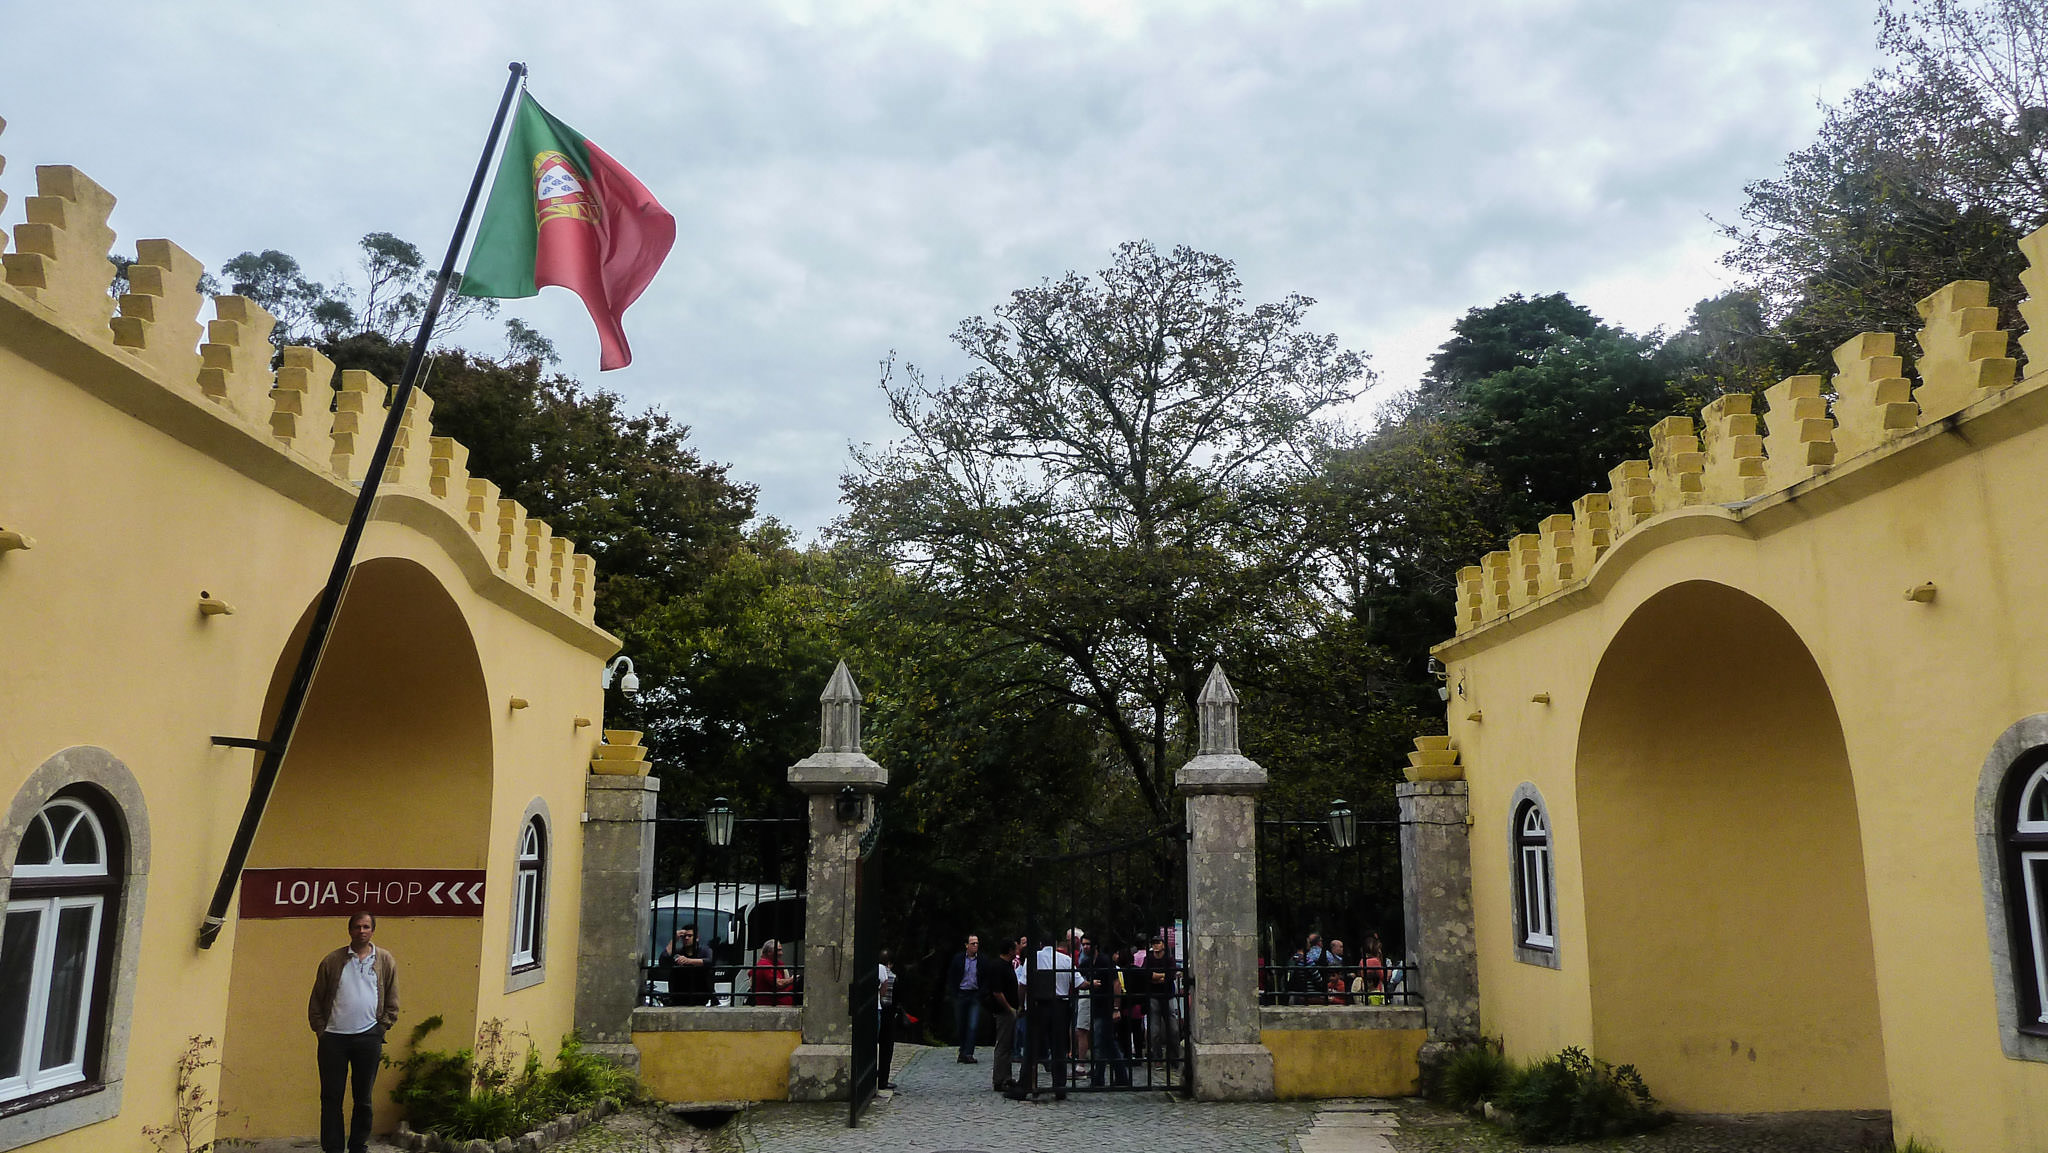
[(851, 178)]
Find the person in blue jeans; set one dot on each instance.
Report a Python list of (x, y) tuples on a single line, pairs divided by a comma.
[(964, 985)]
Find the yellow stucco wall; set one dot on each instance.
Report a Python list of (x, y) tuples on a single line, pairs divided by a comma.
[(1761, 763), (716, 1065), (139, 491), (1344, 1062)]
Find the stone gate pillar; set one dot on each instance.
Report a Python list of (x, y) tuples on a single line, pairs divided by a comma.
[(1436, 898), (1221, 784), (618, 883), (838, 782)]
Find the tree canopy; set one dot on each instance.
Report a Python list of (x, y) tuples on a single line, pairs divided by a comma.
[(1109, 486)]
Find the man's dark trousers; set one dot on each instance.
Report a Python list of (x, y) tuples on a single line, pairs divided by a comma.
[(354, 1057), (967, 1019), (1006, 1031), (1051, 1038)]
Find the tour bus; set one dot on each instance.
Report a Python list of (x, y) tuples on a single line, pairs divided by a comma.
[(733, 918)]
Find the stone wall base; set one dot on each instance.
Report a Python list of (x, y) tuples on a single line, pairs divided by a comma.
[(1233, 1073), (821, 1073), (626, 1056)]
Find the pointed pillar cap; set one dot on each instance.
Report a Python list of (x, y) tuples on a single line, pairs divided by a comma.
[(839, 761), (1218, 766)]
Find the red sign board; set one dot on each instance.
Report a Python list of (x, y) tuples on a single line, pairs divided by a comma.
[(386, 892)]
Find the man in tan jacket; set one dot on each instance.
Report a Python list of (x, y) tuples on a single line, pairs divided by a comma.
[(354, 1003)]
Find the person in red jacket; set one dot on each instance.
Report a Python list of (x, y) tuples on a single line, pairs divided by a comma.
[(774, 984)]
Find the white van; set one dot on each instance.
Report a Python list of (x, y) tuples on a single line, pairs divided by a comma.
[(733, 918)]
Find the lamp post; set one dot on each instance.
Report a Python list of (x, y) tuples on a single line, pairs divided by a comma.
[(1343, 824), (718, 823)]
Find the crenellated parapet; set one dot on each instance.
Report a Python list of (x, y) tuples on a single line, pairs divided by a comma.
[(1810, 426), (57, 272)]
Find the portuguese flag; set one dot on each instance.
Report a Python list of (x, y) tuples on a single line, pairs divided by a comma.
[(562, 212)]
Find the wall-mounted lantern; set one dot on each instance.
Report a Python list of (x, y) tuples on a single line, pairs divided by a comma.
[(718, 823), (1343, 824), (849, 806)]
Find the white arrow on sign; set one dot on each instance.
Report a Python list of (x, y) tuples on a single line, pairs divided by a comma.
[(476, 893), (434, 893)]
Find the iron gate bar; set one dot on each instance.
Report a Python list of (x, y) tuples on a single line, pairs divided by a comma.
[(1150, 1052), (864, 991)]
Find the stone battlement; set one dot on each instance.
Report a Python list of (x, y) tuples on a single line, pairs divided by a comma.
[(1729, 459), (55, 296)]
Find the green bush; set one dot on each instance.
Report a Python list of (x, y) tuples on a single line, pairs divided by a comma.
[(1474, 1074), (481, 1093), (1572, 1097)]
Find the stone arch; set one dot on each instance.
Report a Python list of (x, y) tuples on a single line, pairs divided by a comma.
[(1728, 932), (391, 766)]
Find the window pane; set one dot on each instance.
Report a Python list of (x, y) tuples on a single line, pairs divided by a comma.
[(35, 844), (2034, 867), (82, 846), (70, 972), (17, 976), (529, 845), (2034, 802)]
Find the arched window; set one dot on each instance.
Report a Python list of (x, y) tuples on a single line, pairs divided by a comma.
[(2025, 826), (1535, 904), (55, 948), (530, 895)]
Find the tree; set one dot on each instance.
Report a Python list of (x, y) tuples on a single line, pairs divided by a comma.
[(1930, 172), (390, 303), (305, 309), (1108, 487), (1550, 396), (1392, 519), (627, 487)]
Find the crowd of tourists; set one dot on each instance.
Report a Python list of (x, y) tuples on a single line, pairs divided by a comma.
[(1068, 1009), (1323, 973)]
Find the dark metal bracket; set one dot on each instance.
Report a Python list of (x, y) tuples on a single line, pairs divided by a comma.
[(242, 743)]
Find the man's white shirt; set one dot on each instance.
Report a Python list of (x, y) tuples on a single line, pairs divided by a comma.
[(1062, 968), (355, 998)]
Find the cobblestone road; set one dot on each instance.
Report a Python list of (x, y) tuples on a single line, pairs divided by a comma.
[(941, 1105)]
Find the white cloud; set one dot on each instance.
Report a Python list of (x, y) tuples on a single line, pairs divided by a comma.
[(851, 178)]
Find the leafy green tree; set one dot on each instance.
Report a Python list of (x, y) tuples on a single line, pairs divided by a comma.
[(306, 310), (390, 302), (626, 486), (1551, 397), (1109, 487), (1930, 172)]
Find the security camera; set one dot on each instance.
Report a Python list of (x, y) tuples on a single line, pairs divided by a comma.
[(628, 684)]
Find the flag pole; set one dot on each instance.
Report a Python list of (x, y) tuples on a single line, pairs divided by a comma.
[(279, 741)]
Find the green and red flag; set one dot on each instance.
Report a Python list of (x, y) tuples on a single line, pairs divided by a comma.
[(562, 212)]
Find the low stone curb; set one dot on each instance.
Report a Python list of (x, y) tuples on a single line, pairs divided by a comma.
[(547, 1135)]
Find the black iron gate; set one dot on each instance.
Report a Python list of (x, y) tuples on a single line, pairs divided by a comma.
[(1106, 972), (864, 991)]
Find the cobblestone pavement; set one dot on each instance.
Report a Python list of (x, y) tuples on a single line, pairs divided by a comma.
[(941, 1105), (1423, 1128)]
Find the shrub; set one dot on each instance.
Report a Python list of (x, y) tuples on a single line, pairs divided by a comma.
[(1474, 1074), (481, 1093), (1572, 1097)]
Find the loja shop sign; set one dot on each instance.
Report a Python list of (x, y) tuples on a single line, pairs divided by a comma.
[(269, 893)]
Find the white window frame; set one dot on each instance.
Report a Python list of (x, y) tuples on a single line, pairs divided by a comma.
[(526, 951), (529, 894), (120, 813), (1532, 881), (1538, 916), (35, 1078)]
